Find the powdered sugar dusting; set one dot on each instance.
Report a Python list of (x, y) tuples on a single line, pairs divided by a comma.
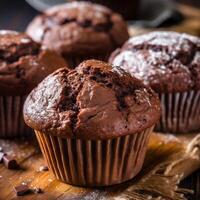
[(162, 58), (138, 61)]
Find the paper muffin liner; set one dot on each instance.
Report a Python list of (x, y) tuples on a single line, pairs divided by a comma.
[(75, 61), (94, 162), (180, 112), (11, 117)]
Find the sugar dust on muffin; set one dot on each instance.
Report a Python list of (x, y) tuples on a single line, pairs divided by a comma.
[(95, 127), (23, 64), (79, 31), (169, 62)]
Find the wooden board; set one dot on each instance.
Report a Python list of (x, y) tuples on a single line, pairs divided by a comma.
[(190, 25), (27, 153)]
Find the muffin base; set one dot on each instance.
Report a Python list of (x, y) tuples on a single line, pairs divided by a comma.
[(180, 112), (94, 162), (75, 61), (11, 117)]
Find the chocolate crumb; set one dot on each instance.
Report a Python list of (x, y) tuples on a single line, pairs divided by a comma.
[(37, 190), (21, 190), (9, 162), (43, 168), (1, 156)]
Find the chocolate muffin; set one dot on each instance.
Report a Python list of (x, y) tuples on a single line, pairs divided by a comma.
[(95, 127), (169, 62), (23, 64), (79, 30)]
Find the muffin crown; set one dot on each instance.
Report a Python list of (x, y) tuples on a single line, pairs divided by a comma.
[(94, 101), (14, 45), (167, 61), (23, 64), (79, 27)]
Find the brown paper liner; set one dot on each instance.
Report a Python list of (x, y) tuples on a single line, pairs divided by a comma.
[(180, 112), (75, 61), (11, 117), (94, 162)]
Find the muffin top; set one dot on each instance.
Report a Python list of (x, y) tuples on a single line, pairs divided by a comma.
[(79, 28), (93, 101), (167, 61), (23, 64)]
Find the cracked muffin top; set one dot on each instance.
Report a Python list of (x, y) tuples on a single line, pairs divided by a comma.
[(93, 101), (23, 64), (167, 61), (79, 28)]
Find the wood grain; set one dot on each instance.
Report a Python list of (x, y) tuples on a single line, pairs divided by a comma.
[(30, 159)]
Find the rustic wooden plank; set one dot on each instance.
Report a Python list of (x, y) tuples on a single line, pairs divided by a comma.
[(30, 159)]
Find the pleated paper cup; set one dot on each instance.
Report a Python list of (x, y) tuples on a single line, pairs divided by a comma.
[(11, 117), (94, 162), (180, 112), (76, 60)]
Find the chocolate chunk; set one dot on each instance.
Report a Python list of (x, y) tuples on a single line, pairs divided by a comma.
[(37, 190), (1, 156), (43, 168), (9, 162), (21, 190)]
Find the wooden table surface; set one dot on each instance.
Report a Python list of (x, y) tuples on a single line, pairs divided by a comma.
[(15, 15)]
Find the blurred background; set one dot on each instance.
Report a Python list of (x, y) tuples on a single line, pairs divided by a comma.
[(142, 16), (16, 15)]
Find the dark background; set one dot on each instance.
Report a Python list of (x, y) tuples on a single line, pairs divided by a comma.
[(16, 14)]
